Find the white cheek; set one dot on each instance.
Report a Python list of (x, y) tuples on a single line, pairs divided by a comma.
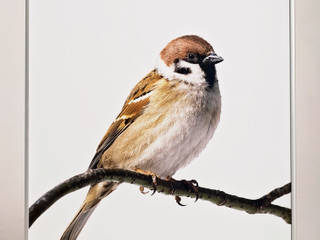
[(196, 75)]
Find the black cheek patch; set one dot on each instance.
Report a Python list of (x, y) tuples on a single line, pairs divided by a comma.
[(182, 70)]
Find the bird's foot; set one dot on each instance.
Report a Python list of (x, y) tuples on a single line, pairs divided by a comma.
[(192, 186), (172, 190), (154, 180)]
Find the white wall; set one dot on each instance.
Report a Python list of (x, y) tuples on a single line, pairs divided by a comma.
[(84, 59)]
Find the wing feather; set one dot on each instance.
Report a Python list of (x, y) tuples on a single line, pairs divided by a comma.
[(133, 107)]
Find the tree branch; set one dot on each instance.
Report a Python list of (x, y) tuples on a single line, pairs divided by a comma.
[(178, 188), (276, 193)]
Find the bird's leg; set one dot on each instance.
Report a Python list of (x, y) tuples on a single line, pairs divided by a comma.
[(171, 180), (154, 180)]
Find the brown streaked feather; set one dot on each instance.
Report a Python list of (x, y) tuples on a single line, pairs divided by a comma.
[(142, 87), (130, 111)]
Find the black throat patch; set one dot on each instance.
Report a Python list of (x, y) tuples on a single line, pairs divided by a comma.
[(210, 73)]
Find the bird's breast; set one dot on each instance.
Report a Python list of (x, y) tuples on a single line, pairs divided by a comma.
[(188, 121)]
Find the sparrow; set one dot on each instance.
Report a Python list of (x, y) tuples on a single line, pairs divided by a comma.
[(166, 121)]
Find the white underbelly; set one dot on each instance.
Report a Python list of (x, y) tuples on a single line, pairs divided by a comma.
[(186, 134)]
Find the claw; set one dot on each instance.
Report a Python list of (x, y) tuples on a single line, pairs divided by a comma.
[(178, 200), (154, 178), (154, 184), (193, 184), (141, 188)]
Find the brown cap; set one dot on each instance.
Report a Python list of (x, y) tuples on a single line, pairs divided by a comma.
[(181, 46)]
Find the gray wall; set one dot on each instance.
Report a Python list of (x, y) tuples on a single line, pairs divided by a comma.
[(307, 119), (12, 105)]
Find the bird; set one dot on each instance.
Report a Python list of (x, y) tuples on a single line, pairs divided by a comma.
[(166, 121)]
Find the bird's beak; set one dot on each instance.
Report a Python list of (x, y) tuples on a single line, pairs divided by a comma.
[(213, 59)]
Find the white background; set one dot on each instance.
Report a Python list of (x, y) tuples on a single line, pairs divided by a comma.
[(84, 59)]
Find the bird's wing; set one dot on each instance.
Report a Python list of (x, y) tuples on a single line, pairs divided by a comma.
[(133, 107)]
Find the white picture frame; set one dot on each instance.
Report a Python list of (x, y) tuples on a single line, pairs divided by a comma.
[(304, 116)]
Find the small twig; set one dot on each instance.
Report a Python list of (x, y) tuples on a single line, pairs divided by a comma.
[(274, 194), (177, 188)]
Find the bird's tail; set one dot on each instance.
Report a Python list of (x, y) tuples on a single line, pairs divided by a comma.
[(96, 193)]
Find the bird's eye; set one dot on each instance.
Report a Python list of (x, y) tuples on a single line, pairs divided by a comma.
[(192, 58)]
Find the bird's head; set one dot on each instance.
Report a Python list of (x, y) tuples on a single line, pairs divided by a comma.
[(189, 58)]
